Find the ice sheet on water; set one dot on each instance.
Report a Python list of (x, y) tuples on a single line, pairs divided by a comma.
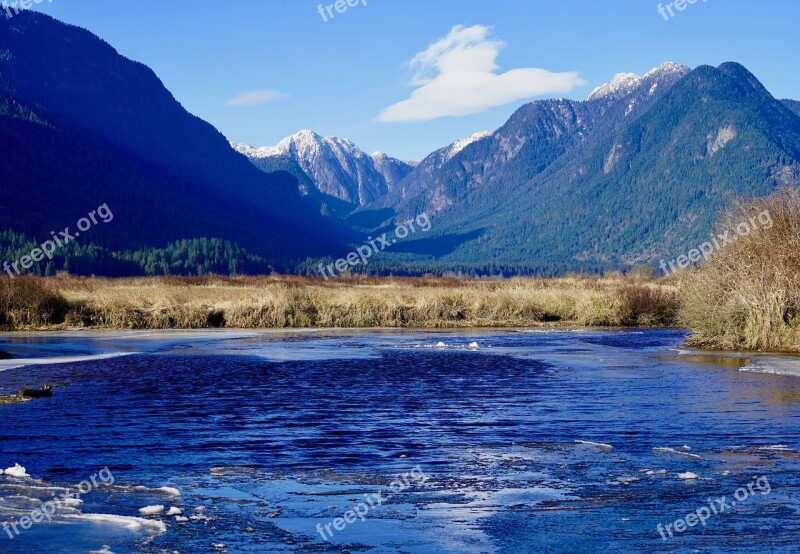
[(129, 522), (441, 345), (773, 365), (17, 363), (600, 445)]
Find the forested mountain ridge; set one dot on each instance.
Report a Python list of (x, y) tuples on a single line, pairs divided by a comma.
[(80, 126), (636, 173)]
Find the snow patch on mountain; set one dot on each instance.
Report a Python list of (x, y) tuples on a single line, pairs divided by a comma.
[(621, 85), (336, 166), (624, 84), (460, 144)]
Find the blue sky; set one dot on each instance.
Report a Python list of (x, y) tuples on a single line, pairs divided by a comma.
[(260, 70)]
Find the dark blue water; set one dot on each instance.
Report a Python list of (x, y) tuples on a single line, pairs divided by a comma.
[(546, 441)]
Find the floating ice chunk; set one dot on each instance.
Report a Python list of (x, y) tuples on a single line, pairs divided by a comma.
[(650, 472), (104, 550), (666, 450), (132, 523), (440, 345), (777, 447), (71, 502), (688, 476), (17, 471), (170, 490), (625, 481), (473, 345), (173, 511), (151, 510), (181, 519), (596, 444)]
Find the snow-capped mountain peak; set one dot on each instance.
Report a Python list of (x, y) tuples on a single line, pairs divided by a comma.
[(624, 84), (621, 85), (336, 166), (460, 144), (667, 68)]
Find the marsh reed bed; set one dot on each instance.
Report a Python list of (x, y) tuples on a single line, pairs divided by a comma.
[(357, 302), (747, 296)]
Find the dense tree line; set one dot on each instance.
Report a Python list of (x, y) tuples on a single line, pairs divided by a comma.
[(185, 257)]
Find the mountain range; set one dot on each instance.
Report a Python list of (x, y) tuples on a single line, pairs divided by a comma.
[(335, 167), (637, 172)]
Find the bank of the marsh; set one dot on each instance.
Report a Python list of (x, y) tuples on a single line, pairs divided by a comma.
[(284, 302), (745, 297)]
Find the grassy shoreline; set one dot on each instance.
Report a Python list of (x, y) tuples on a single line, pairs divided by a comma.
[(745, 297), (281, 302)]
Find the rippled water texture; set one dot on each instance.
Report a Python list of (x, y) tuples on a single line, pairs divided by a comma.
[(517, 441)]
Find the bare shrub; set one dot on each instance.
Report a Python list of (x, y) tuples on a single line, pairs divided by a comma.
[(648, 306), (30, 301), (747, 295)]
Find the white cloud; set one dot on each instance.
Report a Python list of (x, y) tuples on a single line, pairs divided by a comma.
[(256, 97), (456, 76)]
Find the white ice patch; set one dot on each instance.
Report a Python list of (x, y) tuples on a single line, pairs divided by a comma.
[(171, 491), (105, 550), (17, 471), (442, 345), (688, 476), (173, 511), (152, 510), (774, 365), (128, 522), (596, 445), (777, 448), (22, 362), (667, 450)]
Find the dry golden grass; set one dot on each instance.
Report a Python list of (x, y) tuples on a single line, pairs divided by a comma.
[(282, 302), (746, 296)]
